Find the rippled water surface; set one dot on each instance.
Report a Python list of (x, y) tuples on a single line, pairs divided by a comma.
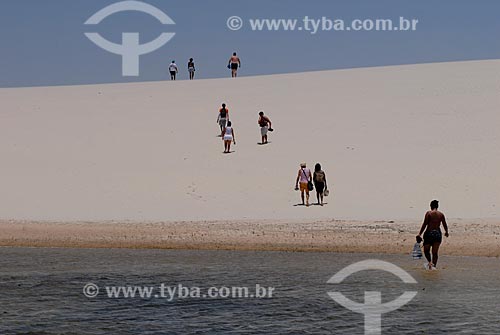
[(41, 292)]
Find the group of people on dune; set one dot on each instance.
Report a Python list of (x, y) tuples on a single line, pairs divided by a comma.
[(308, 181), (234, 64)]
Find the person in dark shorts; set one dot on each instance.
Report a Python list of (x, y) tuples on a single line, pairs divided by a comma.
[(234, 64), (319, 180), (432, 235), (172, 68)]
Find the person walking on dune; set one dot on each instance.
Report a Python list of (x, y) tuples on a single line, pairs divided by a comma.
[(304, 176), (191, 69), (223, 117), (172, 68), (228, 137), (319, 179), (234, 64), (433, 236), (265, 126)]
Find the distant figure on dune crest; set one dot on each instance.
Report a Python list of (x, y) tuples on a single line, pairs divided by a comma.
[(265, 126), (433, 236), (304, 176), (319, 179), (234, 64), (191, 69), (223, 117), (172, 68), (228, 137)]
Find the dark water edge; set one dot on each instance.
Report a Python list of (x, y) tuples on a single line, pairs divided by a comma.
[(41, 293)]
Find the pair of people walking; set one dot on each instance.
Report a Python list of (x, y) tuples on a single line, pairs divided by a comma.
[(227, 131), (174, 70), (309, 181)]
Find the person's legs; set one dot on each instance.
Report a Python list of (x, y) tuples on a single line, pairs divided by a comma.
[(307, 197), (427, 252), (303, 188), (263, 134), (435, 250), (320, 187)]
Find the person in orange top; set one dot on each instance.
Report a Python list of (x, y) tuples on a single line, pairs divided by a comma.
[(223, 117)]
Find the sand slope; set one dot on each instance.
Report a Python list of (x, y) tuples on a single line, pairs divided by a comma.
[(390, 140)]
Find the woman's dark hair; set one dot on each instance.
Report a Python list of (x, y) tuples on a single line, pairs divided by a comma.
[(317, 167), (229, 123)]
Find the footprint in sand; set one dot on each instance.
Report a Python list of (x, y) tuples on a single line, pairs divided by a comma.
[(192, 192)]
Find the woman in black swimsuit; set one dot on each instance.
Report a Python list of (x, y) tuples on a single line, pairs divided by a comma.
[(319, 179), (191, 69)]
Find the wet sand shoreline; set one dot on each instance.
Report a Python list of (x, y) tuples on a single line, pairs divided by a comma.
[(479, 237)]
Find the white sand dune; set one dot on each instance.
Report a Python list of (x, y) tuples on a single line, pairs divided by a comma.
[(390, 140)]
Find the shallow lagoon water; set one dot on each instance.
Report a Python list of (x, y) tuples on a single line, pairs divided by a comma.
[(41, 292)]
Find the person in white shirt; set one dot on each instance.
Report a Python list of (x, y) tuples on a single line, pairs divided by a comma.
[(228, 137), (173, 70)]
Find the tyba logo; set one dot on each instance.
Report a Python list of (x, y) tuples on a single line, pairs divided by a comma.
[(130, 49), (372, 308)]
